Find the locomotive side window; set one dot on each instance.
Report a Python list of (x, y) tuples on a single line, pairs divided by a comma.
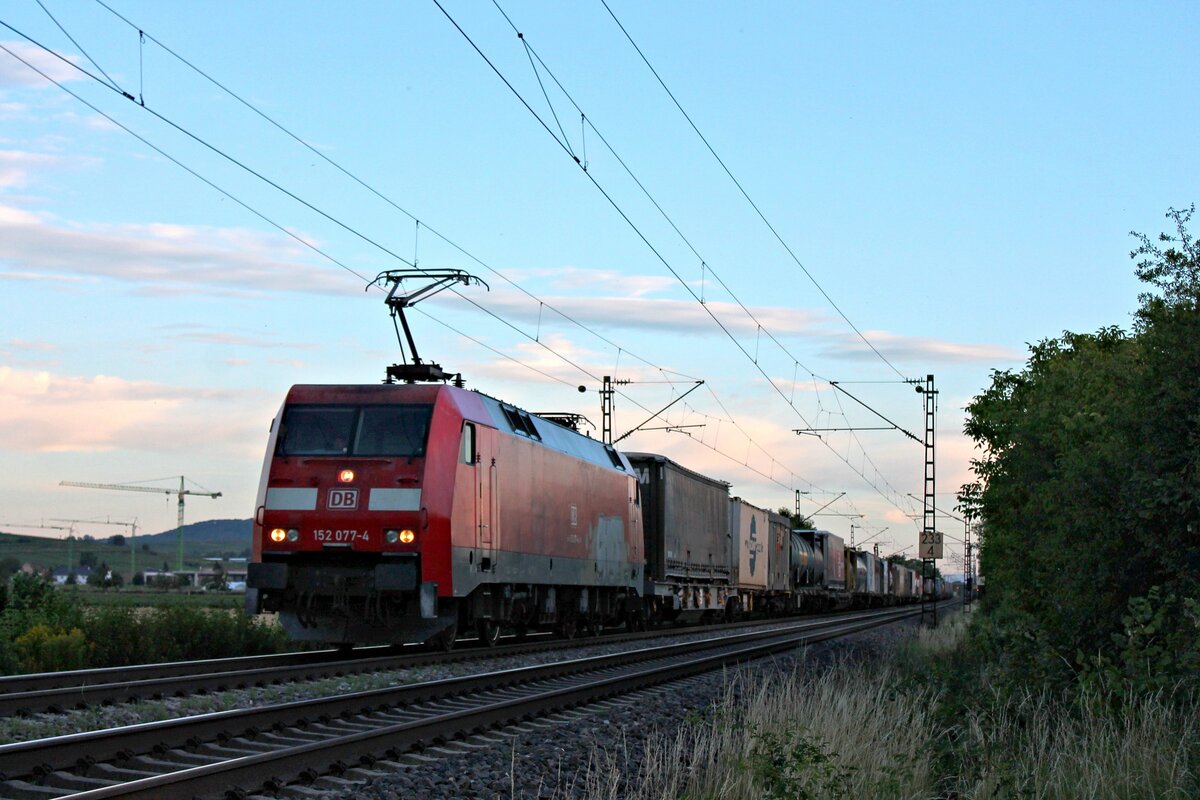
[(354, 430), (520, 422), (613, 457), (467, 454)]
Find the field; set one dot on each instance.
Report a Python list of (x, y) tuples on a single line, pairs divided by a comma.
[(48, 552), (139, 597)]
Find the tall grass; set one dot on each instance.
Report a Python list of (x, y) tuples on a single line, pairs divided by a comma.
[(904, 729)]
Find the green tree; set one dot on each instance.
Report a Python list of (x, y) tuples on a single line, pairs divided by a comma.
[(1088, 484), (799, 521), (8, 567)]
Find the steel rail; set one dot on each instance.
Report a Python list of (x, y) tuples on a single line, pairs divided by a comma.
[(35, 759), (50, 691), (367, 747)]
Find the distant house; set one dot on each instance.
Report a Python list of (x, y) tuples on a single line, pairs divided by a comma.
[(81, 573)]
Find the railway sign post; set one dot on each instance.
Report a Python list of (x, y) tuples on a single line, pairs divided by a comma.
[(931, 544)]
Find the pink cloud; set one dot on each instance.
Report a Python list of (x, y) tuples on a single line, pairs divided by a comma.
[(48, 413)]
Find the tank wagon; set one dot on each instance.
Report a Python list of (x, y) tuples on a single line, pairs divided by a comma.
[(412, 512)]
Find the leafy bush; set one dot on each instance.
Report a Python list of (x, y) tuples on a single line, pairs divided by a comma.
[(789, 764), (46, 649), (1157, 649), (44, 628), (177, 633)]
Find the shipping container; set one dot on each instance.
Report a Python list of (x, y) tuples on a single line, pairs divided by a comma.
[(748, 535), (834, 549), (686, 521)]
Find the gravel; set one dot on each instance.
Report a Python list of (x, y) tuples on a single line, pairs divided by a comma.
[(41, 725), (550, 758)]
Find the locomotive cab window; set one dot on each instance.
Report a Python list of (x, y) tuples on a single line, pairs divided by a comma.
[(372, 430), (467, 454)]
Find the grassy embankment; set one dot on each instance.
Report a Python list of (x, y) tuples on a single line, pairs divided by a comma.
[(930, 724)]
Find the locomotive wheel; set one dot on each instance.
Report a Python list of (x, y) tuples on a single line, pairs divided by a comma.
[(488, 631)]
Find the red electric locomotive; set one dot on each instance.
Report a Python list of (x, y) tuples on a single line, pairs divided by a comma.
[(407, 512)]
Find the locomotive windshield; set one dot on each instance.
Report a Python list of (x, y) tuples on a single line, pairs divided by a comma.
[(369, 430)]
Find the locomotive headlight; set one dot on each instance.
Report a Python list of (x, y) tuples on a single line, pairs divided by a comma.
[(278, 535), (391, 536), (407, 536), (293, 535), (346, 476)]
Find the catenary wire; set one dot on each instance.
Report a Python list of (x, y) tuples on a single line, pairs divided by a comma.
[(746, 195), (469, 300), (333, 259), (634, 227), (356, 179), (760, 327)]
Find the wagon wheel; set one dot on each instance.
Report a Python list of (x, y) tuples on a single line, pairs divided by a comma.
[(488, 631)]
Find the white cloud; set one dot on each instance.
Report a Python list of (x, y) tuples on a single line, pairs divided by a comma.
[(199, 334), (159, 258), (15, 74), (25, 345), (918, 349), (15, 166), (644, 313)]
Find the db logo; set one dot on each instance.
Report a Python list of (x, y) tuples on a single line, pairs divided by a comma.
[(342, 499)]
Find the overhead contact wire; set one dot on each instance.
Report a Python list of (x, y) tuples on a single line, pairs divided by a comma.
[(317, 250), (746, 195), (337, 166), (620, 211)]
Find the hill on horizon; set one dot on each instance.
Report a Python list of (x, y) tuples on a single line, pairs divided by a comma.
[(232, 532), (227, 538)]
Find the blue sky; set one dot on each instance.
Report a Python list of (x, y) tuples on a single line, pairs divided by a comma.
[(960, 179)]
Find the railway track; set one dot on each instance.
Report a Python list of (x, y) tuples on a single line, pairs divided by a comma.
[(59, 691), (264, 749)]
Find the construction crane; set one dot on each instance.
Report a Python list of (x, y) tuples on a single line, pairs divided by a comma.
[(70, 529), (180, 493), (109, 521)]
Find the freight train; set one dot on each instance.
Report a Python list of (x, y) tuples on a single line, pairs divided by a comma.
[(412, 512)]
